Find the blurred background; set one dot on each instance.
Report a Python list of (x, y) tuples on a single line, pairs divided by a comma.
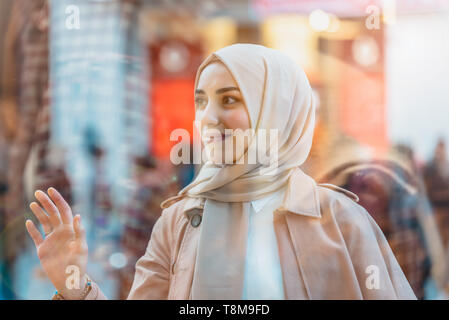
[(90, 91)]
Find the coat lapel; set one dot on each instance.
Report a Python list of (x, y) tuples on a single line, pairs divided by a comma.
[(319, 249), (322, 258)]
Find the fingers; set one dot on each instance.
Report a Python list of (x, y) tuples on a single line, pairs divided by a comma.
[(34, 233), (41, 216), (80, 233), (63, 207), (49, 207)]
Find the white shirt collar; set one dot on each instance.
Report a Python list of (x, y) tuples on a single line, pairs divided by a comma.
[(259, 204)]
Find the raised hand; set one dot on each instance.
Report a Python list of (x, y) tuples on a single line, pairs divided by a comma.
[(63, 250)]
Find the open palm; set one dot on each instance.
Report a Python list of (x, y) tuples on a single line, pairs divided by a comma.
[(63, 250)]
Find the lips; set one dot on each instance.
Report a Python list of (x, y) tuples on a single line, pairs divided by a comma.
[(215, 137)]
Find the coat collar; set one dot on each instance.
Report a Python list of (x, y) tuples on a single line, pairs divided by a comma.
[(301, 197)]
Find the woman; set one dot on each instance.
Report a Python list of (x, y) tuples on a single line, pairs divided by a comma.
[(244, 230)]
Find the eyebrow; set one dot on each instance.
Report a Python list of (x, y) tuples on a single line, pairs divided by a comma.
[(221, 90)]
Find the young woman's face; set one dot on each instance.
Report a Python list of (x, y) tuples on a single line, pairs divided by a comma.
[(219, 106)]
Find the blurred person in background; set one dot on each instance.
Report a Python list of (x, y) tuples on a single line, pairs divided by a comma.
[(436, 174), (25, 108), (234, 232), (391, 191)]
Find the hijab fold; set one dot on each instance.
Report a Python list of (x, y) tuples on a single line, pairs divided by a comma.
[(278, 96)]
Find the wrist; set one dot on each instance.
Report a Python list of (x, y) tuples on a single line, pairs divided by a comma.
[(75, 293)]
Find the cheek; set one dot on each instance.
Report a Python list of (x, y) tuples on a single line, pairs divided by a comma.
[(236, 119), (198, 115)]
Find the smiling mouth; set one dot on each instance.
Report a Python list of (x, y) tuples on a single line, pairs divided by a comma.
[(215, 138)]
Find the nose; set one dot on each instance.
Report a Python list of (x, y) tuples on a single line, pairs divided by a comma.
[(209, 117)]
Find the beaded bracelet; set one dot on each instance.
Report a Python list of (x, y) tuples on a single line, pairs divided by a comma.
[(87, 288)]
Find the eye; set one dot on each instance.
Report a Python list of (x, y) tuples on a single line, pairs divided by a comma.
[(229, 100), (200, 102)]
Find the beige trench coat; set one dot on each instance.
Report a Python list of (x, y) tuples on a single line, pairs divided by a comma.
[(329, 248)]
